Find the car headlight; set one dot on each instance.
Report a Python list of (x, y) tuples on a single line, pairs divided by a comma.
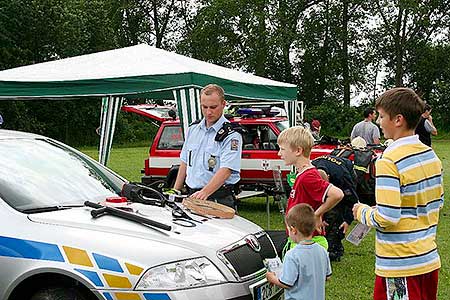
[(181, 275)]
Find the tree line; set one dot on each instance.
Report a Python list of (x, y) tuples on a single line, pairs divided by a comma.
[(332, 50)]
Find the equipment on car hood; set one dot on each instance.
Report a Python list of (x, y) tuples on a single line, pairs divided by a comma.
[(101, 210), (140, 193)]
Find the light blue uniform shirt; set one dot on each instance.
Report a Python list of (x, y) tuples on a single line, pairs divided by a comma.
[(200, 146), (305, 268)]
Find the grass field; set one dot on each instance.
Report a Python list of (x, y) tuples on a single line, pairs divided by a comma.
[(353, 276)]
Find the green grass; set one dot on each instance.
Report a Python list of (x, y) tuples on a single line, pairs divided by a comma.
[(353, 276)]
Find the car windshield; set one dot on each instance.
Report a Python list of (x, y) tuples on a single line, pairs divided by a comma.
[(37, 173), (282, 125)]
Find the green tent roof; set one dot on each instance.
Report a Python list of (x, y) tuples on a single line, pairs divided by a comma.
[(132, 71)]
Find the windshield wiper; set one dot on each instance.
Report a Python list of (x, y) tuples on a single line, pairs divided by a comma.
[(48, 208)]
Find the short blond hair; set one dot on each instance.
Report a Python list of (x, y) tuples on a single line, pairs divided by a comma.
[(213, 88), (297, 137)]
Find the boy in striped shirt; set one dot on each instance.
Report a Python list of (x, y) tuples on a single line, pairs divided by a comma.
[(409, 194)]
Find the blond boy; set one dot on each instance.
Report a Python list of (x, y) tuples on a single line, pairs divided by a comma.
[(295, 148)]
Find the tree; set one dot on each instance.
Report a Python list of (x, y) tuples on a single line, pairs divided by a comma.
[(402, 24), (41, 30), (155, 22), (332, 56), (256, 36)]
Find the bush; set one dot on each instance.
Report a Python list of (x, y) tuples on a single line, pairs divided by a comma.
[(133, 129), (336, 119)]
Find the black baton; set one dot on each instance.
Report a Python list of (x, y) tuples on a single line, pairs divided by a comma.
[(101, 210)]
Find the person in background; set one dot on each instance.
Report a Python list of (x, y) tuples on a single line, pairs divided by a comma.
[(339, 171), (315, 129), (211, 155), (426, 128), (307, 266), (409, 195), (366, 128), (1, 120), (295, 148)]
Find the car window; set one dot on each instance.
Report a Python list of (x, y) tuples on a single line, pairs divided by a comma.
[(171, 138), (282, 125), (259, 137), (39, 173)]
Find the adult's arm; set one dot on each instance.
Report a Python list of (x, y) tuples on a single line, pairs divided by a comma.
[(429, 126), (376, 135), (214, 184), (181, 176), (230, 162), (352, 135)]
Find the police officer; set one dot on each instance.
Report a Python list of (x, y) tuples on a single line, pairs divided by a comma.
[(211, 154), (338, 171)]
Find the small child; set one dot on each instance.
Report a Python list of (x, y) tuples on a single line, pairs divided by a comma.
[(295, 148), (306, 267)]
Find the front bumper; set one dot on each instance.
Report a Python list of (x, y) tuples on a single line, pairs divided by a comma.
[(226, 291)]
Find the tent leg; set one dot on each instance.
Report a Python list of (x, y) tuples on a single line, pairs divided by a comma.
[(110, 109)]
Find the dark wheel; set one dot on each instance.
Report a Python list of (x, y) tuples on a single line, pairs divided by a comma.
[(59, 293)]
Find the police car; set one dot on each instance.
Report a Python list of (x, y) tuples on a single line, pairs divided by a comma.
[(72, 229), (259, 131)]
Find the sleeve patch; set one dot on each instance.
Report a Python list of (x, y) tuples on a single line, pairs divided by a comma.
[(234, 144)]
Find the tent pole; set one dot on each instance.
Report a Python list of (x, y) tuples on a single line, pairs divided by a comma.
[(110, 109), (103, 111), (188, 106)]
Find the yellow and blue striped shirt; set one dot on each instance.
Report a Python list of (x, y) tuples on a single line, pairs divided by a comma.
[(409, 195)]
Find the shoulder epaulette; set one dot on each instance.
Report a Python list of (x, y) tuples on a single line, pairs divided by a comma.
[(225, 131), (195, 122)]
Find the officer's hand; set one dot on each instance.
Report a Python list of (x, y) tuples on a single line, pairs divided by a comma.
[(344, 227), (200, 195)]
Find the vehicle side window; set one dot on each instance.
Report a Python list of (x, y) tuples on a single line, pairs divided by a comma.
[(259, 137), (171, 138)]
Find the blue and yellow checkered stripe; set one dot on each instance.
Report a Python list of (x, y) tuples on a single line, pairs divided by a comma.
[(103, 271)]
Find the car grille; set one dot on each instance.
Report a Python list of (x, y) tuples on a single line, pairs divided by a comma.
[(244, 260)]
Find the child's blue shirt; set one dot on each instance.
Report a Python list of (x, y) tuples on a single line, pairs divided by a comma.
[(305, 269)]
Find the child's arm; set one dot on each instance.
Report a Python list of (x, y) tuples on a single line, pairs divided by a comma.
[(272, 278), (334, 195)]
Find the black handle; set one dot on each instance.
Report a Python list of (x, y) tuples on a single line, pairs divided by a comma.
[(102, 210), (98, 212)]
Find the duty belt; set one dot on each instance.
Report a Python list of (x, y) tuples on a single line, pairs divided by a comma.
[(223, 191)]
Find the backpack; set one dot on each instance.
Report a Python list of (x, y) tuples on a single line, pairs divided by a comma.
[(364, 167)]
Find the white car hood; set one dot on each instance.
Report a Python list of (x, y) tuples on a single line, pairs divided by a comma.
[(211, 233)]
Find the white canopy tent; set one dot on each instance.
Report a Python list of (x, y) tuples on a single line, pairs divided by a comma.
[(143, 71)]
